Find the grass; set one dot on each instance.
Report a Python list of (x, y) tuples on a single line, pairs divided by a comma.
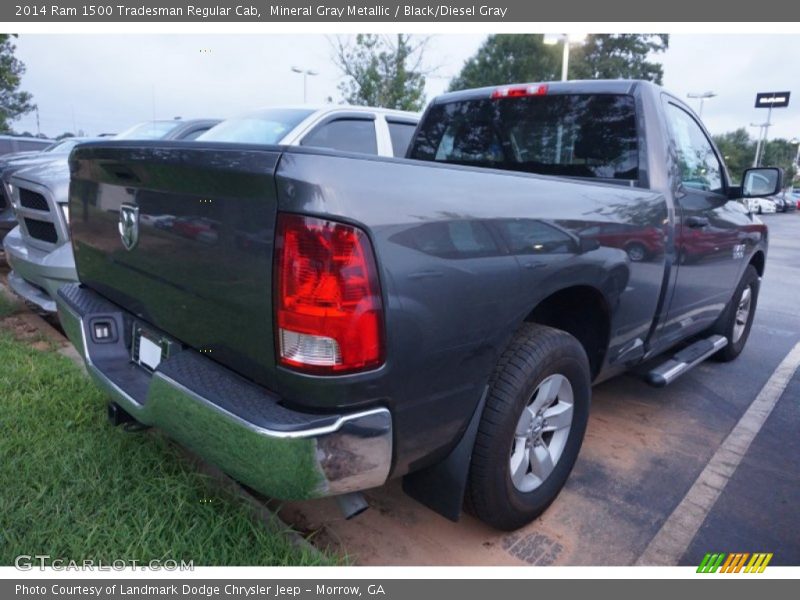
[(7, 305), (75, 488)]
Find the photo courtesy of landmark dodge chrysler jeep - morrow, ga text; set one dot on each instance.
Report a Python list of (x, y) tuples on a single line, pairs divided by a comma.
[(439, 317)]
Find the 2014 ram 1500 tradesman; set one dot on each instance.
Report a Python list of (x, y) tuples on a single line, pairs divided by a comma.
[(439, 317)]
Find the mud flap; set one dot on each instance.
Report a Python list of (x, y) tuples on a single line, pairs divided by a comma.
[(441, 487)]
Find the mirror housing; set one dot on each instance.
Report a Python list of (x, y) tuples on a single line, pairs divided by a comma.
[(762, 181), (587, 244)]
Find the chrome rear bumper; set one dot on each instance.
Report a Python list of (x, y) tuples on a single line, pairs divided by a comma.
[(229, 421)]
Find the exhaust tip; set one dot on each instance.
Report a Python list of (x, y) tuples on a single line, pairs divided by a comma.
[(352, 504)]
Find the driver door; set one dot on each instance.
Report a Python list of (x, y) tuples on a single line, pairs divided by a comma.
[(709, 248)]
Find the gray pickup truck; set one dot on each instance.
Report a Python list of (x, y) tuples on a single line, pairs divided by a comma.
[(335, 320), (11, 163)]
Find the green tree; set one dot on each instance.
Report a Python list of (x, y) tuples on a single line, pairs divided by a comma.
[(509, 58), (618, 56), (13, 102), (781, 153), (738, 149), (382, 71), (514, 58)]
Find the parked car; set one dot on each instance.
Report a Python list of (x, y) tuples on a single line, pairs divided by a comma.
[(11, 163), (792, 198), (38, 250), (14, 144), (640, 243), (194, 228), (762, 206), (361, 129), (780, 201), (439, 317), (175, 129)]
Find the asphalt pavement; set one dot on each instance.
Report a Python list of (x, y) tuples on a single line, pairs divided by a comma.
[(759, 510)]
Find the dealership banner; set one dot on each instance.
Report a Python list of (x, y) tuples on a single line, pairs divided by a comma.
[(395, 10)]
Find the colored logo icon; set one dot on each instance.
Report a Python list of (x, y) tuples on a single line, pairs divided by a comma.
[(735, 562)]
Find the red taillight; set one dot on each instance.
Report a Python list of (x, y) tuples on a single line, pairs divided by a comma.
[(328, 308), (519, 91)]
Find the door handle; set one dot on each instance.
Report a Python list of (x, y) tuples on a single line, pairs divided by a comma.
[(696, 222)]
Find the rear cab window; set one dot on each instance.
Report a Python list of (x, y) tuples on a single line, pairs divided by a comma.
[(267, 126), (400, 133), (346, 135), (573, 135), (194, 134)]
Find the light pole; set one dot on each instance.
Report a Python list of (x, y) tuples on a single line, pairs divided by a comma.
[(796, 142), (702, 97), (305, 73), (551, 39), (762, 128)]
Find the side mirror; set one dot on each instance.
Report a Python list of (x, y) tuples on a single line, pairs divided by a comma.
[(587, 244), (760, 182)]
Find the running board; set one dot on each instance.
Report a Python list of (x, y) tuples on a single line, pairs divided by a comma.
[(683, 361)]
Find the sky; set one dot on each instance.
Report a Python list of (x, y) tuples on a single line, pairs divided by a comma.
[(105, 83)]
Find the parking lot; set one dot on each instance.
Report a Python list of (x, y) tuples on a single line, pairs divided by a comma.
[(646, 449), (664, 475)]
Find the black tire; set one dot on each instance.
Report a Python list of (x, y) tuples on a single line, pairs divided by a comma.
[(727, 321), (636, 252), (535, 353)]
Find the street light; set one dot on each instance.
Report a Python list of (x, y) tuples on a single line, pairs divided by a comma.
[(796, 142), (551, 39), (762, 128), (702, 97), (305, 73)]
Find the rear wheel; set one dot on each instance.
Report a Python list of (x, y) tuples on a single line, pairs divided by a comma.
[(636, 252), (737, 319), (531, 429)]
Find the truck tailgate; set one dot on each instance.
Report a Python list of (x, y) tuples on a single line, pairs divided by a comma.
[(196, 261)]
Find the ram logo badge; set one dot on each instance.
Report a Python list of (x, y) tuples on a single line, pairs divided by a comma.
[(129, 225)]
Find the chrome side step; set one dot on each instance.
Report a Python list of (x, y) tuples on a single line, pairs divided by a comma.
[(683, 361)]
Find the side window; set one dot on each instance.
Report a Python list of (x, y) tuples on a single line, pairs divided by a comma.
[(348, 135), (700, 168), (401, 134), (194, 134)]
